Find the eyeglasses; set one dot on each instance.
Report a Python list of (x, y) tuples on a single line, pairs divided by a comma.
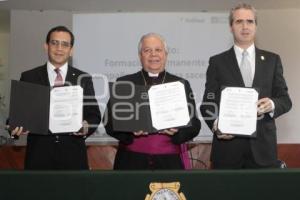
[(58, 43)]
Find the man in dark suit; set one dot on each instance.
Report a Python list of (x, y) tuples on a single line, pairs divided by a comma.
[(265, 72), (65, 150), (161, 150)]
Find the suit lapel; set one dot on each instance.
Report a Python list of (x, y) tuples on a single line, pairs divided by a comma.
[(234, 67), (259, 67), (71, 77), (44, 76)]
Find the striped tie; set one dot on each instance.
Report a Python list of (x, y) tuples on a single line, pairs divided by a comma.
[(58, 80)]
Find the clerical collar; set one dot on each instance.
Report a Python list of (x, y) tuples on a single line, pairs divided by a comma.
[(153, 79), (152, 74)]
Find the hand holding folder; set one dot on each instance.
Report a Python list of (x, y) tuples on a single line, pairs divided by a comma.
[(38, 109)]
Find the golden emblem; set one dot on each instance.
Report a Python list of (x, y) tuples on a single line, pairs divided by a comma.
[(165, 191)]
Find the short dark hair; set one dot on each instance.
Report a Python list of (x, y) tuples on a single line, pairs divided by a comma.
[(60, 29)]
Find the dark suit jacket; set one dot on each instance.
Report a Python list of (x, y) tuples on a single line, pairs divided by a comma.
[(223, 70), (183, 135), (91, 113)]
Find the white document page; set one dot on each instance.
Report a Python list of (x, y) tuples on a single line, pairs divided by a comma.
[(238, 111), (66, 104), (168, 105)]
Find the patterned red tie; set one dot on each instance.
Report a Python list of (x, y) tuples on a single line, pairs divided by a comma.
[(58, 80)]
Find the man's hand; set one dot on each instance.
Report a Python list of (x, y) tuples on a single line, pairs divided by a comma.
[(170, 131), (223, 136), (17, 131), (140, 133), (264, 105), (84, 130), (219, 134)]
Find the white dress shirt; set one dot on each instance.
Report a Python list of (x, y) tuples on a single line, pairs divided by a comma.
[(52, 74), (251, 57)]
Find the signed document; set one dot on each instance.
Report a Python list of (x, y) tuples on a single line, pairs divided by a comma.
[(65, 114), (168, 105), (238, 111)]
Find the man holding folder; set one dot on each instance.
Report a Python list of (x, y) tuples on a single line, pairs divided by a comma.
[(64, 150), (244, 65), (141, 149)]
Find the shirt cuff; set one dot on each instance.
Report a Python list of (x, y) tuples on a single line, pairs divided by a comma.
[(273, 109), (215, 126)]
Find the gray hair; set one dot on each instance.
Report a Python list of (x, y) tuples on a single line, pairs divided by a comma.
[(152, 35), (242, 6)]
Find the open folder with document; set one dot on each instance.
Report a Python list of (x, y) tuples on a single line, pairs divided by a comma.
[(40, 108), (150, 109)]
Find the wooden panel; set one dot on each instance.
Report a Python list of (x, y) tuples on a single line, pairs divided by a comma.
[(12, 157), (200, 155), (290, 154), (102, 156)]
